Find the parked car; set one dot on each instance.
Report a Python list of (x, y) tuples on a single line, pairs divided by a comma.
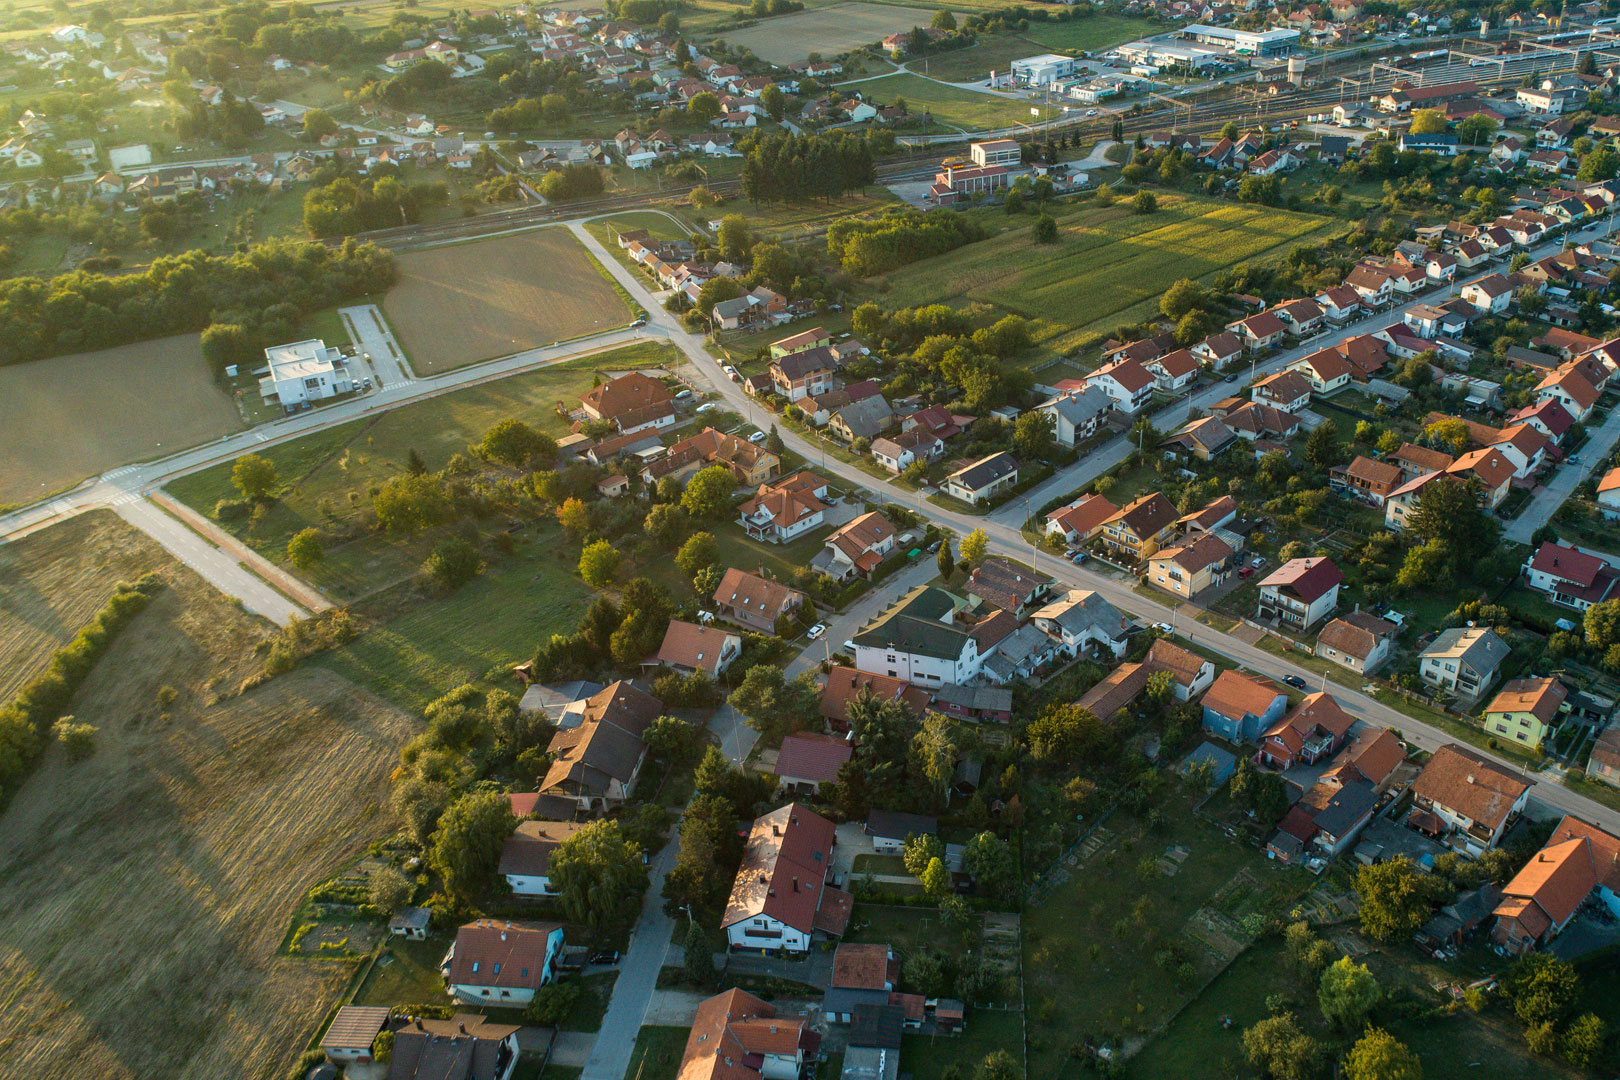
[(816, 631), (1164, 628), (1078, 557), (1258, 562), (1246, 572), (1295, 681), (707, 406), (683, 395), (640, 322), (757, 437), (849, 647), (610, 956)]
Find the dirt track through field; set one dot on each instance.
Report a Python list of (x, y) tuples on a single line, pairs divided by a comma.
[(70, 417), (144, 892), (462, 303)]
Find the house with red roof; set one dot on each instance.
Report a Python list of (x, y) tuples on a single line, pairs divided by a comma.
[(1488, 467), (1546, 416), (809, 759), (1286, 390), (1608, 494), (1315, 730), (1325, 369), (1571, 388), (502, 961), (737, 1036), (1173, 370), (1578, 861), (1568, 576), (787, 509), (780, 898), (1080, 520), (1300, 592), (1126, 381), (1259, 331)]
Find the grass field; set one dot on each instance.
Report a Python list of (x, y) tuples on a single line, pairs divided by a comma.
[(952, 106), (997, 51), (329, 474), (69, 417), (55, 582), (657, 1054), (1109, 266), (829, 30), (156, 879), (464, 303)]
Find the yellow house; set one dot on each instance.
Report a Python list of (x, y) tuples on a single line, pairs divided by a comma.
[(1188, 569), (809, 339), (1140, 529), (1526, 710)]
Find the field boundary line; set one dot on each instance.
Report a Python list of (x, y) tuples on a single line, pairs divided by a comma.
[(251, 561)]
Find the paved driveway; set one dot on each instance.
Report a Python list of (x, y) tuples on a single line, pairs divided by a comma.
[(732, 732), (840, 628), (638, 978)]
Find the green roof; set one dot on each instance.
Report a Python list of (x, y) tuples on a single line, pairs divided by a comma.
[(915, 627)]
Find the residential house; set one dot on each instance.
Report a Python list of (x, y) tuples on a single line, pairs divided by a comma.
[(690, 647), (1527, 710), (1077, 414), (754, 602), (864, 419), (1568, 576), (1572, 389), (1314, 731), (1219, 350), (1340, 304), (920, 642), (1204, 439), (1286, 390), (737, 1036), (1546, 416), (1190, 567), (1173, 370), (805, 372), (1579, 861), (1488, 467), (1370, 480), (1141, 528), (1304, 316), (502, 961), (1415, 461), (1300, 592), (1359, 641), (808, 759), (844, 685), (1253, 422), (1463, 661), (1324, 822), (468, 1046), (1083, 519), (1192, 673), (856, 548), (1372, 284), (1002, 583), (1374, 755), (1490, 295), (1525, 448), (1126, 381), (983, 479), (780, 897), (1239, 706), (633, 402), (1080, 618), (526, 855), (596, 761), (1604, 761), (898, 452), (1325, 369), (861, 975), (1608, 494), (750, 463), (785, 510), (890, 829), (1466, 799)]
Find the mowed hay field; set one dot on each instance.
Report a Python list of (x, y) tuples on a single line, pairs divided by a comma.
[(70, 417), (460, 304), (144, 892), (1109, 266), (837, 28), (52, 582)]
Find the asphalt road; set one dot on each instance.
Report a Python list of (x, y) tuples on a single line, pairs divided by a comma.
[(1565, 480), (638, 978), (1548, 797)]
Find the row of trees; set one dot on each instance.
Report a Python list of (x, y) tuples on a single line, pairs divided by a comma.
[(347, 206), (869, 246), (797, 168)]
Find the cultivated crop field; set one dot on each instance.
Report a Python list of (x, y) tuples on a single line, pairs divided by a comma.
[(328, 475), (69, 417), (1109, 266), (144, 891), (464, 303), (837, 28)]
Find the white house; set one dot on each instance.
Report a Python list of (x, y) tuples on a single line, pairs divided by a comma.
[(1490, 295), (302, 372), (1608, 494), (502, 961), (1127, 382), (920, 643), (780, 897), (1301, 592), (1077, 414), (526, 855)]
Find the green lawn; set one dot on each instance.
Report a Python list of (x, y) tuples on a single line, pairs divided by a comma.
[(998, 51), (328, 476), (932, 1057), (1109, 266), (657, 1053), (406, 973), (474, 633), (951, 106)]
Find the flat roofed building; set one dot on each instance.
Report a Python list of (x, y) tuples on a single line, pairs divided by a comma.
[(304, 371)]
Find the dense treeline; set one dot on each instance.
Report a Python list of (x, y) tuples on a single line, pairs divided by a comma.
[(871, 246), (347, 206), (41, 702), (268, 283), (793, 168)]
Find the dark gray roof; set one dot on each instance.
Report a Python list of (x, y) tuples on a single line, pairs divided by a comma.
[(866, 417), (892, 823), (877, 1025), (986, 471), (978, 698), (1348, 806), (915, 627)]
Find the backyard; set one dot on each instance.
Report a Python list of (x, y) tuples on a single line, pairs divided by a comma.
[(463, 303), (1109, 266)]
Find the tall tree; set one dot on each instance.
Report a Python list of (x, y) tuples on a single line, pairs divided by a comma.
[(467, 845), (1378, 1055), (1395, 898), (1347, 993), (975, 545), (254, 476), (1449, 510), (599, 876)]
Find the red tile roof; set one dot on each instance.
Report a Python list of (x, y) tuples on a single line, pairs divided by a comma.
[(809, 755), (784, 867), (1307, 578), (1237, 693), (501, 952)]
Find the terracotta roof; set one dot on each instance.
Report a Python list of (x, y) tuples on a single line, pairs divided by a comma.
[(501, 952), (1568, 563), (1423, 458), (1555, 881), (1166, 655), (628, 393), (1573, 383), (1317, 712), (730, 1033), (528, 850), (1355, 634), (1211, 514), (1224, 343), (1177, 363), (844, 684), (355, 1027), (605, 746), (1488, 464), (1610, 480), (810, 755), (1128, 373), (1005, 584), (1146, 516), (693, 646), (1605, 847), (1307, 578), (1085, 515), (865, 967), (1373, 754), (1204, 549), (1376, 473), (1236, 693), (1117, 690), (1284, 386), (1469, 784), (741, 589), (1539, 697), (858, 537), (1264, 325), (1326, 364), (784, 865), (785, 503), (1550, 412)]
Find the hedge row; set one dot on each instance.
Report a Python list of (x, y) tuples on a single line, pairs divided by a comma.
[(27, 718)]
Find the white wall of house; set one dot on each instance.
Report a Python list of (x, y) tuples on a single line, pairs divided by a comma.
[(920, 669), (766, 932)]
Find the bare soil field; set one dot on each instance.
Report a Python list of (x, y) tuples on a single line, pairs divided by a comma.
[(53, 582), (70, 417), (464, 303), (831, 30), (144, 892)]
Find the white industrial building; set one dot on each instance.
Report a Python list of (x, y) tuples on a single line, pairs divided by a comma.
[(302, 372), (1244, 42), (1180, 54), (1044, 69)]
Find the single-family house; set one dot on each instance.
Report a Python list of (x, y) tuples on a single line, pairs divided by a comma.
[(1082, 617), (1300, 592), (502, 961), (983, 479), (691, 647), (1490, 295), (1126, 381), (856, 548), (863, 419), (1325, 369), (1004, 584), (897, 452), (468, 1046), (754, 602), (1077, 414), (784, 510), (1173, 370), (1219, 349), (844, 685), (1239, 706), (1466, 799), (633, 402), (1205, 438), (1286, 390), (1359, 641), (780, 897), (1578, 861), (1371, 480), (1568, 576), (1083, 519), (1141, 528), (1526, 710), (1314, 730), (526, 855), (595, 762), (1463, 661), (1189, 567), (809, 759), (805, 372), (1260, 331), (737, 1036)]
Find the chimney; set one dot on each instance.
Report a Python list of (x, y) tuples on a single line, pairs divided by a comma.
[(419, 1026), (503, 935), (463, 1027), (1471, 779), (795, 884)]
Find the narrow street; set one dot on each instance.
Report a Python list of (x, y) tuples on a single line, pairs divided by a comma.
[(638, 979)]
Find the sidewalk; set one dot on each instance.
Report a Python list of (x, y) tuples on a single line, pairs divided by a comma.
[(294, 589)]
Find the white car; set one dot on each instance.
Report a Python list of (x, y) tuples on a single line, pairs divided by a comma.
[(757, 437), (816, 631), (849, 647), (707, 406), (729, 370), (1163, 628)]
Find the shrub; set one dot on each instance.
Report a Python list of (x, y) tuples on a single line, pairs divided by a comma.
[(232, 509), (454, 562), (79, 740)]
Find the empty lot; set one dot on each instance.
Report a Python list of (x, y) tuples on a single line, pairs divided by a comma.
[(144, 892), (463, 303), (70, 417), (788, 39)]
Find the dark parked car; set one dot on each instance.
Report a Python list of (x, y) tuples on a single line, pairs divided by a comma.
[(610, 957), (1295, 681)]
